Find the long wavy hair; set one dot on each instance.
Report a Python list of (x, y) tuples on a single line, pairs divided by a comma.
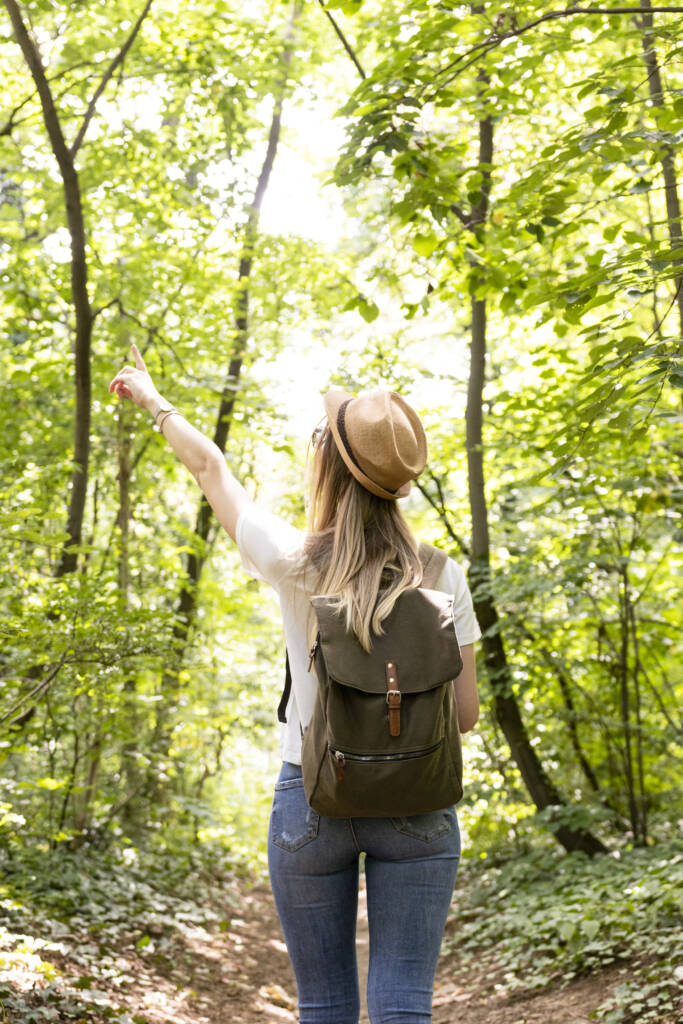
[(359, 546)]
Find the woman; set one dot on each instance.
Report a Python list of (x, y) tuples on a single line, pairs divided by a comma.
[(365, 457)]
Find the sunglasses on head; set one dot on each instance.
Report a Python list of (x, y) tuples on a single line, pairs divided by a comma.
[(317, 435)]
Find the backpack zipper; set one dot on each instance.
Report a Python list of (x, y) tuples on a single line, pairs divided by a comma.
[(341, 757), (341, 763)]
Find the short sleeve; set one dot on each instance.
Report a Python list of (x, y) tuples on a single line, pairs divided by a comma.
[(453, 581), (269, 546)]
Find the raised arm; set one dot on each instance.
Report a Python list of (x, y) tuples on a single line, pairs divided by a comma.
[(202, 457)]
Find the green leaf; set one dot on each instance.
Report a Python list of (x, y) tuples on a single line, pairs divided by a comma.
[(536, 230), (345, 6), (47, 782), (368, 310), (424, 244)]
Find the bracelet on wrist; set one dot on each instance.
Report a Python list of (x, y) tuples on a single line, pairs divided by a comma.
[(163, 416), (161, 406)]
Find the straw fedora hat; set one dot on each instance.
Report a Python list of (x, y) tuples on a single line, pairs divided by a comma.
[(380, 438)]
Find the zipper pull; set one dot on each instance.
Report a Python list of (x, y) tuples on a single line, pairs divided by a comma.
[(341, 763), (312, 653)]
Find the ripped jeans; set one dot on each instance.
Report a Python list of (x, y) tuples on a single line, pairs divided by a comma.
[(410, 868)]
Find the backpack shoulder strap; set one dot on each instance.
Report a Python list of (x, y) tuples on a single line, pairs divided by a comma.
[(286, 690), (433, 562)]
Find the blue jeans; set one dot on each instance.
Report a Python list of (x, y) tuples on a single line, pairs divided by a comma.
[(410, 870)]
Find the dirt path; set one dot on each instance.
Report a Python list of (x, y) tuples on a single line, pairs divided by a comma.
[(251, 982), (241, 975), (271, 993), (244, 977)]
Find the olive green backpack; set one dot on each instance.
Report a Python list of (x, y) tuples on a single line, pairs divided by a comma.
[(384, 738)]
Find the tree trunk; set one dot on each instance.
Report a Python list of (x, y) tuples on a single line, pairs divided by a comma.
[(65, 156), (543, 792), (637, 801), (668, 153), (79, 291), (572, 723), (568, 700), (624, 705), (187, 599), (88, 788), (130, 752)]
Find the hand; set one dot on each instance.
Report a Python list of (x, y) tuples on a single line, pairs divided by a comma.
[(135, 383)]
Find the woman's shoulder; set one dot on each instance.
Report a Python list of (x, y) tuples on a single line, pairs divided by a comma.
[(270, 546), (452, 578), (453, 573), (276, 528)]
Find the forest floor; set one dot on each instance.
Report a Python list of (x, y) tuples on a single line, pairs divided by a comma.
[(232, 969)]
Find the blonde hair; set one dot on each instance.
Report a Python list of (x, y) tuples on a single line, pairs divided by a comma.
[(359, 545)]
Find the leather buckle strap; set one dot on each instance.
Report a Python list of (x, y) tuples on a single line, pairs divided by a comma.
[(393, 699)]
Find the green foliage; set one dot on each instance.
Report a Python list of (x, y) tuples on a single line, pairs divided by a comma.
[(114, 724), (539, 920), (82, 924), (577, 233), (114, 721), (578, 261)]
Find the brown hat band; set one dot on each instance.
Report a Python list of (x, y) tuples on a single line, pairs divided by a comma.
[(380, 438), (341, 427)]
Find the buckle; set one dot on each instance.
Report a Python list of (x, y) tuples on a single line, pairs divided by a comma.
[(394, 694)]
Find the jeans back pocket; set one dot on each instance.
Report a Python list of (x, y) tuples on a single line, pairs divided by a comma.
[(293, 823), (426, 827)]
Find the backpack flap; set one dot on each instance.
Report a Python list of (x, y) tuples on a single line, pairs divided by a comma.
[(419, 639)]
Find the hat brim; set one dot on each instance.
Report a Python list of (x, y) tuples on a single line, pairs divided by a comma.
[(333, 402)]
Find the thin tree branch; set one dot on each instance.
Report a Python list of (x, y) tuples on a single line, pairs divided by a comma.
[(118, 59), (153, 332), (440, 509), (117, 808), (107, 305), (35, 64), (464, 218), (500, 37), (11, 121), (37, 690), (343, 40)]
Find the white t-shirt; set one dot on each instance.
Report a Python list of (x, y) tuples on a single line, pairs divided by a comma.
[(271, 550)]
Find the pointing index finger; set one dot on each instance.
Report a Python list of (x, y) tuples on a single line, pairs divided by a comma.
[(139, 361)]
